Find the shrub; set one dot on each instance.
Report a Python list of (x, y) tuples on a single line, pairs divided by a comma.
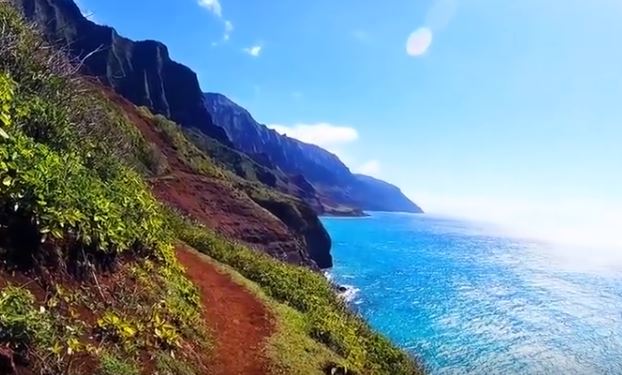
[(327, 317), (70, 190), (21, 324)]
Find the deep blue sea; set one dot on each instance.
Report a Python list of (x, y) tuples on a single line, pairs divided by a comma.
[(469, 301)]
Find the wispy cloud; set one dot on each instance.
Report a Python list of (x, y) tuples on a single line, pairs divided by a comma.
[(215, 8), (228, 30), (370, 168), (254, 51), (335, 138), (212, 5), (322, 134)]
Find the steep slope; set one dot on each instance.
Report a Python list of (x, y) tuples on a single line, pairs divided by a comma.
[(89, 282), (388, 197), (142, 72), (330, 177), (192, 183)]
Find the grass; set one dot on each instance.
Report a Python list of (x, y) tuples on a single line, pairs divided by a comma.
[(290, 348), (314, 306), (113, 365)]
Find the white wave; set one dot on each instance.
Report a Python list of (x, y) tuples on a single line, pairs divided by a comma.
[(350, 293), (328, 276)]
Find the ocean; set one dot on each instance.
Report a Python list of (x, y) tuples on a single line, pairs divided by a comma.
[(466, 300)]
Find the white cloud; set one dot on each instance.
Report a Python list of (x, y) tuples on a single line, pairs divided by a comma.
[(212, 5), (254, 51), (228, 30), (331, 137), (419, 41), (321, 134), (370, 168)]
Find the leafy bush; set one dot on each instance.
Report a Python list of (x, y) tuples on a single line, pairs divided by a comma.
[(21, 323), (70, 190), (116, 328)]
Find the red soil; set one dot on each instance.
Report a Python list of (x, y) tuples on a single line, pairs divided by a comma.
[(213, 202), (239, 322)]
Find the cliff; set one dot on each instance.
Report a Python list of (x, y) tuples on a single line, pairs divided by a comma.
[(143, 73), (335, 183)]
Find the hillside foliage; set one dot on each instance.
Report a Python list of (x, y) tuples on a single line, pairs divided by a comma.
[(326, 317), (72, 205)]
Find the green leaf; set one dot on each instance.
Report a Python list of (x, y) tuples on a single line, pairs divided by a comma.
[(129, 331), (7, 181), (4, 134)]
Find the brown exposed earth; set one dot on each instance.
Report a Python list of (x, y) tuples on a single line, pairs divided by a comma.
[(240, 323), (214, 202)]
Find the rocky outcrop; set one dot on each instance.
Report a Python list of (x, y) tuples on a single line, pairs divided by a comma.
[(142, 72), (336, 184)]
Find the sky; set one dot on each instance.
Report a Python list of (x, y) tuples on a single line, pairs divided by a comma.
[(501, 111)]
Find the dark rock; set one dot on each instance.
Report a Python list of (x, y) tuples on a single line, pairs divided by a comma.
[(142, 72), (7, 364), (302, 220)]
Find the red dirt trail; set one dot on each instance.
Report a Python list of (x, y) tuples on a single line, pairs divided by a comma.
[(240, 324)]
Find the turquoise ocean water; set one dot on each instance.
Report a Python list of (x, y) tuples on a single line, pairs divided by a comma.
[(467, 301)]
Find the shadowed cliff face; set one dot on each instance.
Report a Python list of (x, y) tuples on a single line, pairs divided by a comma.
[(141, 71), (330, 177)]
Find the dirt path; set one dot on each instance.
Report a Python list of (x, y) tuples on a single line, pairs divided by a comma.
[(240, 324)]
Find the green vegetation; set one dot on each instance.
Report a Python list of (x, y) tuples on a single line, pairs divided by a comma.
[(106, 292), (187, 152), (291, 349), (316, 308), (72, 202), (112, 365), (20, 321), (240, 164)]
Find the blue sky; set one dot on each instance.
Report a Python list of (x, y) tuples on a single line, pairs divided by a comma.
[(504, 111)]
